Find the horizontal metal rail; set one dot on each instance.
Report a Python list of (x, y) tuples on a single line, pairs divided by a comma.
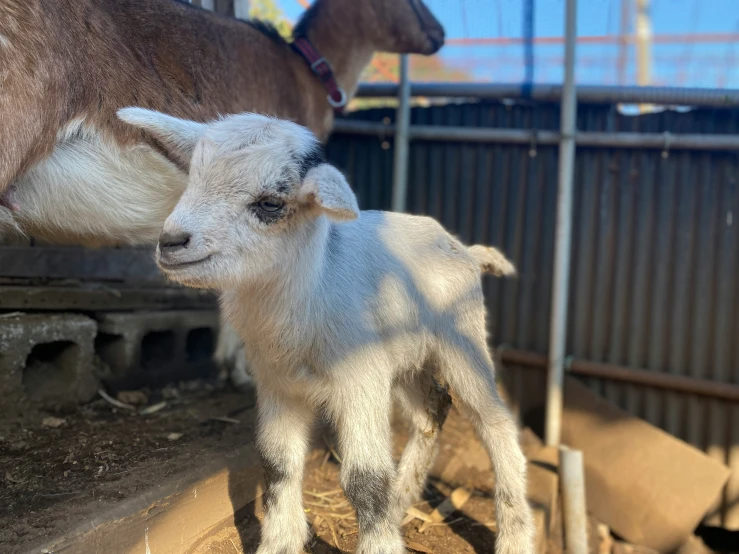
[(663, 141), (671, 96), (677, 383)]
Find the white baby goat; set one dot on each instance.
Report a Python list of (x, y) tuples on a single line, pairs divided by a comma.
[(340, 311)]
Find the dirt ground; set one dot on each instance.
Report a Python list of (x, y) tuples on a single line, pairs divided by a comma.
[(53, 477), (58, 469), (335, 529), (334, 526)]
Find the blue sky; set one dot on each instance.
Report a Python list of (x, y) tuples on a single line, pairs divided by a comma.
[(699, 65)]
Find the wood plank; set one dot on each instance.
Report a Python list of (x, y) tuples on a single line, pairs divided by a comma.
[(71, 262), (92, 297)]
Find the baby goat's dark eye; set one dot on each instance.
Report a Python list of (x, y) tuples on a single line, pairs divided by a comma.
[(270, 204)]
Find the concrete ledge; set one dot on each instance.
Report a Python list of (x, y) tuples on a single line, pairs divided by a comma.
[(173, 517)]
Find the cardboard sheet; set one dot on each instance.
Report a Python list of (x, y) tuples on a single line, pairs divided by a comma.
[(648, 486)]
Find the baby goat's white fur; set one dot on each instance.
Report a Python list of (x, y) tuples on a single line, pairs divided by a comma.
[(340, 312)]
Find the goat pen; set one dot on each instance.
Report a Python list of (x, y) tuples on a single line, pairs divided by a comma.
[(654, 277)]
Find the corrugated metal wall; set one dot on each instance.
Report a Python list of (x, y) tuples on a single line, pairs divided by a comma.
[(655, 275)]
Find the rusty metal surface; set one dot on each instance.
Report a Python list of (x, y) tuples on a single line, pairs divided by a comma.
[(655, 274), (610, 372)]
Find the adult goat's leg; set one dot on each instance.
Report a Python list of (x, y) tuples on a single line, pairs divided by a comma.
[(282, 438), (469, 372), (230, 356), (361, 411), (426, 404)]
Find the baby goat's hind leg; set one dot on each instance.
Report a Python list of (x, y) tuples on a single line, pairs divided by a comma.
[(468, 370), (426, 404)]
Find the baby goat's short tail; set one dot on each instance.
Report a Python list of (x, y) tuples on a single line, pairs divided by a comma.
[(492, 260)]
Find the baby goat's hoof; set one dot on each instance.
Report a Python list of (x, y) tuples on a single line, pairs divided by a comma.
[(279, 549), (389, 544), (292, 541)]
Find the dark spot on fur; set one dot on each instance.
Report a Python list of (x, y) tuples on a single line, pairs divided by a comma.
[(369, 492), (282, 186), (441, 402), (274, 476), (310, 160), (268, 30), (333, 247)]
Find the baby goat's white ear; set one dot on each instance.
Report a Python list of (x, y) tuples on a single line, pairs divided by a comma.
[(326, 188), (179, 136)]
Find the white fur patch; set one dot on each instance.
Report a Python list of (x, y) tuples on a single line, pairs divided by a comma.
[(93, 191), (4, 42)]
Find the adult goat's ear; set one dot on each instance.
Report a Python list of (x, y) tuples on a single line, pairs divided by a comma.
[(177, 136), (325, 188)]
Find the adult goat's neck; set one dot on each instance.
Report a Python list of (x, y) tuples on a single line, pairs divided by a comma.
[(337, 34)]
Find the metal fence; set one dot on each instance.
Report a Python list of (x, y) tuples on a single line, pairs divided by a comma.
[(655, 254)]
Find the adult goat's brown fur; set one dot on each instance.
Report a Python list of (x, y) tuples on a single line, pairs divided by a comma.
[(66, 66)]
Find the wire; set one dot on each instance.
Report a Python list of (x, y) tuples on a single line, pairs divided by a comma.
[(528, 46), (465, 28), (695, 14), (499, 18)]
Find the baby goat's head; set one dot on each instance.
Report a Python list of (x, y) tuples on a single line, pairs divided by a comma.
[(257, 186)]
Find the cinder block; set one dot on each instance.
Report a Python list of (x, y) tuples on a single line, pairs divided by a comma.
[(46, 360), (154, 347)]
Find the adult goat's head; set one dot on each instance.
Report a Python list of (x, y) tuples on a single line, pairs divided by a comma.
[(257, 186), (407, 26), (403, 26)]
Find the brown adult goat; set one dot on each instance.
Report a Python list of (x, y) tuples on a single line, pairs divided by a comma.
[(70, 171)]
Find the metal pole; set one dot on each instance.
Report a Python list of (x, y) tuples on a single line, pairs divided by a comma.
[(572, 475), (241, 9), (643, 48), (400, 160), (643, 44), (483, 135), (675, 96), (563, 234), (717, 390)]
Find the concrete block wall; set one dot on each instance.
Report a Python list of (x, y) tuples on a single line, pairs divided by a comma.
[(154, 347), (46, 361), (53, 360)]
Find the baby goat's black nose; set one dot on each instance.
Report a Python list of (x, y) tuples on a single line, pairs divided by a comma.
[(171, 242)]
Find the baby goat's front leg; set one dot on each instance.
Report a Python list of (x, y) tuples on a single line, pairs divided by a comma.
[(362, 415), (282, 439)]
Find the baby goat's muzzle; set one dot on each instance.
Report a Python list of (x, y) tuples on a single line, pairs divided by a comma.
[(176, 249)]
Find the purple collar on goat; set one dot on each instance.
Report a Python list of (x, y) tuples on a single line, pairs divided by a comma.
[(322, 69)]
